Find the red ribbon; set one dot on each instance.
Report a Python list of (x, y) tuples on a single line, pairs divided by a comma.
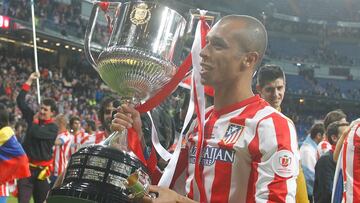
[(134, 143)]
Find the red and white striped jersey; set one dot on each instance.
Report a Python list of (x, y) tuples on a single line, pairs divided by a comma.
[(4, 190), (94, 138), (78, 140), (250, 154), (351, 165), (323, 147), (62, 153)]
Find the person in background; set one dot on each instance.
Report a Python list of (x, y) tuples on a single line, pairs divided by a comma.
[(325, 166), (90, 130), (271, 85), (78, 134), (309, 155), (62, 147), (13, 160), (38, 145), (105, 115), (336, 115), (20, 130)]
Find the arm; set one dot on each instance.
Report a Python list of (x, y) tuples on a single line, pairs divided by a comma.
[(166, 195), (28, 114), (340, 142), (275, 161), (45, 132), (59, 142), (339, 145)]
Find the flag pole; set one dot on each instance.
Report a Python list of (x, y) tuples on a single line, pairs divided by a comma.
[(35, 50)]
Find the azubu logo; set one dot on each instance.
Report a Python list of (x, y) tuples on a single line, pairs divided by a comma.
[(210, 154)]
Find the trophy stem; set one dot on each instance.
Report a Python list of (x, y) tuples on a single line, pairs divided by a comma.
[(118, 140)]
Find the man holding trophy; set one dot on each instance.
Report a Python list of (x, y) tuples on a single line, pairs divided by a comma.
[(250, 149)]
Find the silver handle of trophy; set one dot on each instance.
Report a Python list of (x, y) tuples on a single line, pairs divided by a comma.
[(118, 140), (88, 34)]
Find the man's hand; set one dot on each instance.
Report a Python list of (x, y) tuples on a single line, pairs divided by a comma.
[(33, 76), (127, 117), (165, 195)]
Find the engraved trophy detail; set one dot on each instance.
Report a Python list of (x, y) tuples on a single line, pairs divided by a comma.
[(139, 59)]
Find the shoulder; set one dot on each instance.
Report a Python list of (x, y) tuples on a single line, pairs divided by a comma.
[(269, 118)]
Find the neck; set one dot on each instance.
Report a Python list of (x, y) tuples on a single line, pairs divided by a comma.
[(62, 129), (232, 93)]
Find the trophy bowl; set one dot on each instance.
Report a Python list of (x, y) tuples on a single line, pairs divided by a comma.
[(139, 59)]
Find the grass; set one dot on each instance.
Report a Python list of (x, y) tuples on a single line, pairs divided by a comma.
[(14, 200)]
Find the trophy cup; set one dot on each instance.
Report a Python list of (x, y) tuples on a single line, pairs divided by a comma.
[(145, 40)]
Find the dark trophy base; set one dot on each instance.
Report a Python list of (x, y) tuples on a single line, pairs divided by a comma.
[(96, 174)]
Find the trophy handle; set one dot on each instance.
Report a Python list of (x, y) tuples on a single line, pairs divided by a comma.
[(88, 34), (118, 140), (105, 6)]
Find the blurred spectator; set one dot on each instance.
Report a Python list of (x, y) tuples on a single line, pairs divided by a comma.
[(333, 116), (62, 147), (309, 155), (325, 167)]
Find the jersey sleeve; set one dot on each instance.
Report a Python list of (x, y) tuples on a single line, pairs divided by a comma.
[(63, 137), (275, 166)]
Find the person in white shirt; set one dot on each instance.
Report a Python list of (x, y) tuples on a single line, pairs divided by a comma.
[(309, 155)]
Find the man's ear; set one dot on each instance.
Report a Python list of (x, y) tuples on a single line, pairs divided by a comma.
[(252, 59)]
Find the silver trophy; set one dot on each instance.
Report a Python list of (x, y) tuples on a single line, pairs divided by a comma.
[(139, 59)]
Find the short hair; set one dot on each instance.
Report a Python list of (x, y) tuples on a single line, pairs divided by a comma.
[(73, 119), (4, 116), (269, 73), (333, 116), (256, 38), (20, 123), (61, 119), (50, 102), (104, 103), (91, 124), (333, 129), (317, 128)]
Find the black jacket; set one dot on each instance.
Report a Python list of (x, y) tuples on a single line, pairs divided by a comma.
[(40, 136), (324, 178)]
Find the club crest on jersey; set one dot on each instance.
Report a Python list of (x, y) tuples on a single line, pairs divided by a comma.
[(284, 164), (285, 161), (233, 133)]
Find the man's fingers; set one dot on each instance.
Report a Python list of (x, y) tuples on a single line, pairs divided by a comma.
[(125, 117), (122, 122), (117, 127), (154, 188), (129, 108)]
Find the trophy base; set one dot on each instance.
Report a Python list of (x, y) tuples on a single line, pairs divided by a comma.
[(96, 174)]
